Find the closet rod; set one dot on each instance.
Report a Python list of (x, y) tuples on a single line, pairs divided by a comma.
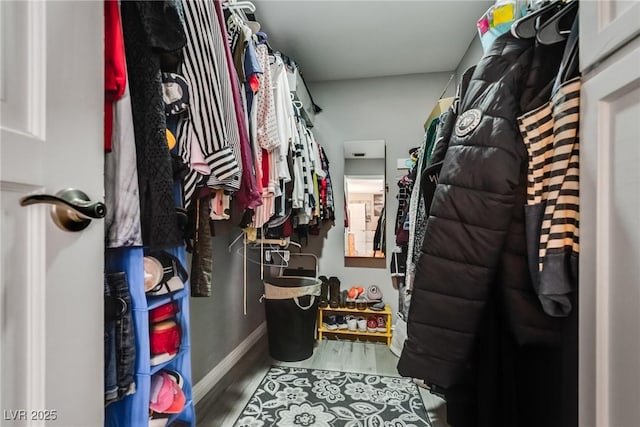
[(447, 86)]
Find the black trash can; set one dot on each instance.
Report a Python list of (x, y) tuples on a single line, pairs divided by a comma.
[(291, 305)]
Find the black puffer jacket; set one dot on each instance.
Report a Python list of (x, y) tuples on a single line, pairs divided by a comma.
[(474, 251)]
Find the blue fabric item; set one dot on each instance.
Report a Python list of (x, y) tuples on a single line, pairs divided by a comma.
[(488, 38), (262, 37), (251, 67), (133, 410)]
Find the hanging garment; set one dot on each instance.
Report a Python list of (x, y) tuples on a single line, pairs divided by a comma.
[(122, 222), (475, 321), (149, 29), (302, 189), (551, 136), (252, 71), (220, 205), (245, 60), (202, 258), (326, 196), (115, 68), (405, 185), (266, 124), (247, 196), (225, 79), (119, 339), (207, 122), (415, 214), (266, 138), (434, 163), (284, 115), (379, 241)]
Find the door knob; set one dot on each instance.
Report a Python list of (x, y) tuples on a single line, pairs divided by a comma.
[(71, 210)]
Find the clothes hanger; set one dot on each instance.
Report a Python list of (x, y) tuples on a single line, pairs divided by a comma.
[(263, 38), (237, 9), (527, 26), (298, 107), (239, 5), (550, 31), (569, 66), (297, 104)]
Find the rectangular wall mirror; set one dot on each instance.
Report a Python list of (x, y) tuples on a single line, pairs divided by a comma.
[(364, 192)]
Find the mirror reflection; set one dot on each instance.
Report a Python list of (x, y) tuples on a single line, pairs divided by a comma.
[(364, 201), (364, 223)]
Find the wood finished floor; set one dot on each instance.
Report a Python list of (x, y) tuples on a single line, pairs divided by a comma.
[(222, 405)]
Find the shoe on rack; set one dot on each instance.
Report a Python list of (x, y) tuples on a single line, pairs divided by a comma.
[(342, 322), (330, 322), (324, 291), (334, 292), (379, 306), (374, 294), (372, 324), (382, 324), (361, 304), (353, 293), (352, 323), (362, 324), (343, 299)]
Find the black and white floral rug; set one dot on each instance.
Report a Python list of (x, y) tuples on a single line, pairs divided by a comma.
[(291, 397)]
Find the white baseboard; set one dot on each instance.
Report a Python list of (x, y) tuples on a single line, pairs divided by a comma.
[(211, 379)]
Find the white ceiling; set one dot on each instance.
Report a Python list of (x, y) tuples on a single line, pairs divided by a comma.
[(334, 40)]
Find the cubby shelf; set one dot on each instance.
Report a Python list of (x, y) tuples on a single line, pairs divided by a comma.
[(322, 311)]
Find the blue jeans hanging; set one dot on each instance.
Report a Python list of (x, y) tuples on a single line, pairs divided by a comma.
[(119, 342)]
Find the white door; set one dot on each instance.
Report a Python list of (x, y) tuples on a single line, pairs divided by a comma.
[(610, 242), (605, 26), (51, 304)]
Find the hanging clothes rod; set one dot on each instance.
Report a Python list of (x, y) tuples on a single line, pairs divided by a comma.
[(447, 86)]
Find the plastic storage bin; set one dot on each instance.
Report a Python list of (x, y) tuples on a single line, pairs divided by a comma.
[(291, 305)]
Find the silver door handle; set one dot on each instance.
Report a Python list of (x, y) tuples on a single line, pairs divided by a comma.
[(71, 210)]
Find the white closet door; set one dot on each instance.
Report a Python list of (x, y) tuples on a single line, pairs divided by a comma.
[(605, 25), (610, 243), (51, 138)]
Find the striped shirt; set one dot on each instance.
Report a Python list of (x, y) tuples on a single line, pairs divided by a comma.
[(551, 136), (209, 123)]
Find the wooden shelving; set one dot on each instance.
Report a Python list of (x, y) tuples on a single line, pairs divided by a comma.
[(354, 311)]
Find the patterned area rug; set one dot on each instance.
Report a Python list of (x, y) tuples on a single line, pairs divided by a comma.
[(289, 397)]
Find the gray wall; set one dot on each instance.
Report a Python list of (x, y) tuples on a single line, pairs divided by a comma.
[(218, 324), (471, 57), (364, 167), (389, 108)]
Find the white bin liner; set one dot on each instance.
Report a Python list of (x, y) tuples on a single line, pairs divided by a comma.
[(286, 291)]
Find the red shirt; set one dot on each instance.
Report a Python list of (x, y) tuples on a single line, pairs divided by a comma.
[(115, 68)]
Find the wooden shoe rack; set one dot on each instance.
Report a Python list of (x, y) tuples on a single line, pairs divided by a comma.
[(323, 311)]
